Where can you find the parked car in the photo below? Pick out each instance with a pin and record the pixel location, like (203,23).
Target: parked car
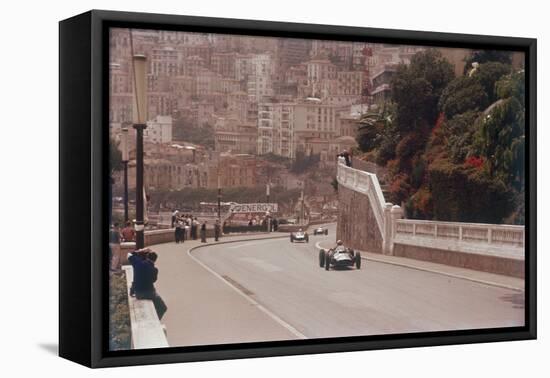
(339,256)
(299,236)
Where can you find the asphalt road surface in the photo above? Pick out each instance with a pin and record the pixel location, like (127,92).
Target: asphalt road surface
(379,298)
(283,293)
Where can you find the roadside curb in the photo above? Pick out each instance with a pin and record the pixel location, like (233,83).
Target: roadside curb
(410,266)
(234,241)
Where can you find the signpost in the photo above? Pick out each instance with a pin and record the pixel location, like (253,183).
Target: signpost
(253,208)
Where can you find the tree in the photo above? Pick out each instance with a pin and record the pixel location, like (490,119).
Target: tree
(483,56)
(417,87)
(115,156)
(500,137)
(488,75)
(463,94)
(185,130)
(371,128)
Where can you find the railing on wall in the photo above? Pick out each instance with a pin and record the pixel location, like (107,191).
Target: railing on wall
(494,236)
(366,183)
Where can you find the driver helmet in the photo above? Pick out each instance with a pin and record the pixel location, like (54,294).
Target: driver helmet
(300,230)
(339,242)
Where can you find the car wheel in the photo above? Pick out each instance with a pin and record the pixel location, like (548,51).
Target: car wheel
(322,258)
(326,232)
(327,261)
(307,240)
(291,239)
(358,260)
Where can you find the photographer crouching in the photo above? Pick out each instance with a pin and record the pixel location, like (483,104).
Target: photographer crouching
(145,275)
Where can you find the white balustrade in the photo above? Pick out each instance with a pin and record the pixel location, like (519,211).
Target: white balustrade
(505,238)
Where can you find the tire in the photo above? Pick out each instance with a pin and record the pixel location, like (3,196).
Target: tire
(326,232)
(314,233)
(307,239)
(291,239)
(322,258)
(358,260)
(327,261)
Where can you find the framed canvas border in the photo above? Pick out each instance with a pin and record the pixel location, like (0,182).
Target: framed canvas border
(83,163)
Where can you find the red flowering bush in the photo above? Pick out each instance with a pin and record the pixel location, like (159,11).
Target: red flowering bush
(474,162)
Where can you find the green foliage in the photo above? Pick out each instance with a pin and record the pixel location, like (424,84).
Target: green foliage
(115,156)
(472,93)
(463,94)
(463,194)
(456,147)
(184,130)
(500,138)
(304,163)
(416,89)
(488,74)
(334,184)
(119,314)
(377,133)
(483,56)
(459,132)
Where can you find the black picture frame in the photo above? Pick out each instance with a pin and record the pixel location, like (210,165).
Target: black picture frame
(83,153)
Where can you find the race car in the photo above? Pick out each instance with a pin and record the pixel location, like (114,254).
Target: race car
(339,256)
(299,236)
(320,231)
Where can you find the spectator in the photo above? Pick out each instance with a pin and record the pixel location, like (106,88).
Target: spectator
(194,226)
(145,275)
(186,230)
(128,233)
(203,232)
(217,230)
(174,218)
(347,158)
(178,231)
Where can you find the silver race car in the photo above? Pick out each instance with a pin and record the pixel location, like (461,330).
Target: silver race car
(299,236)
(320,231)
(339,256)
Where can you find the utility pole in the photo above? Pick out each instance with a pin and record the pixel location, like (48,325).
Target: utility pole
(219,195)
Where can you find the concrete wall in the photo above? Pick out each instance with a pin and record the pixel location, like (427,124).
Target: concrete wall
(357,226)
(485,263)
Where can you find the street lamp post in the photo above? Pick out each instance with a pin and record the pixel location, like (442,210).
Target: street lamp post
(302,208)
(219,195)
(125,158)
(140,119)
(268,216)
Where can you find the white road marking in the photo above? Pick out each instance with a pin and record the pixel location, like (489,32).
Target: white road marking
(274,317)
